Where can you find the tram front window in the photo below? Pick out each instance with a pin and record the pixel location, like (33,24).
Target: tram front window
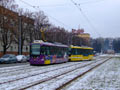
(35,50)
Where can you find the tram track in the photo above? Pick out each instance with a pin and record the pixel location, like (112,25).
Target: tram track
(22,70)
(35,74)
(78,76)
(63,78)
(63,70)
(53,77)
(13,68)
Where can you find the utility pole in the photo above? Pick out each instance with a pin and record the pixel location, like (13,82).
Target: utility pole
(20,36)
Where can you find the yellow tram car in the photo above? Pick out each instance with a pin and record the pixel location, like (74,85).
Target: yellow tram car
(78,53)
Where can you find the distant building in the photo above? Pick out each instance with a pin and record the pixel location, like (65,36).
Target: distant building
(8,19)
(85,36)
(108,46)
(80,33)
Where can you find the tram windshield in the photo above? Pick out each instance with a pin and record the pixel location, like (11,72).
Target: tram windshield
(35,50)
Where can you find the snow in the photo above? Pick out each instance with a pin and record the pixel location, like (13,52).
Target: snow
(32,78)
(110,55)
(30,70)
(105,77)
(53,84)
(12,68)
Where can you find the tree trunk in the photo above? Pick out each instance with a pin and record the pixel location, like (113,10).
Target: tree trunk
(4,50)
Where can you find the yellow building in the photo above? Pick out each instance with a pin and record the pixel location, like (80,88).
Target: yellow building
(84,35)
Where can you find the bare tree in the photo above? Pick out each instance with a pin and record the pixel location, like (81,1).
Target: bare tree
(6,24)
(57,34)
(30,27)
(6,39)
(41,22)
(10,4)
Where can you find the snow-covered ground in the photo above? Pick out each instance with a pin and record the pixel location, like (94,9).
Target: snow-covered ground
(105,77)
(91,80)
(34,74)
(56,82)
(23,69)
(110,55)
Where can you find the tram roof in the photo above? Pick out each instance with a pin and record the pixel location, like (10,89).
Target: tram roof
(50,44)
(80,47)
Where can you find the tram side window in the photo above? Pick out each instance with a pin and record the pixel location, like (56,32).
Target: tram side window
(42,50)
(55,50)
(82,51)
(62,51)
(86,52)
(79,51)
(90,52)
(74,51)
(45,50)
(59,52)
(52,50)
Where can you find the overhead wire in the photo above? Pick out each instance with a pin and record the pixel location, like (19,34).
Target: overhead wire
(54,5)
(77,5)
(36,7)
(60,5)
(92,26)
(90,2)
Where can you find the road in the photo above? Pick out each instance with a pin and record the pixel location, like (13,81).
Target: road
(14,64)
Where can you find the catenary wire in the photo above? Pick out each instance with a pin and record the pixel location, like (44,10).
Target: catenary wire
(37,7)
(92,26)
(91,2)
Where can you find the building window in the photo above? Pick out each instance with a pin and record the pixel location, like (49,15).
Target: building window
(11,48)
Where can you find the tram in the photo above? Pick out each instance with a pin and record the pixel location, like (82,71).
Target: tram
(47,53)
(77,53)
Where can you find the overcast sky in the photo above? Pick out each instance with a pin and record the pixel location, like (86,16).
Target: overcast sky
(104,15)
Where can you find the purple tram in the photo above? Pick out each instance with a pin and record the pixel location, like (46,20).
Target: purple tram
(47,53)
